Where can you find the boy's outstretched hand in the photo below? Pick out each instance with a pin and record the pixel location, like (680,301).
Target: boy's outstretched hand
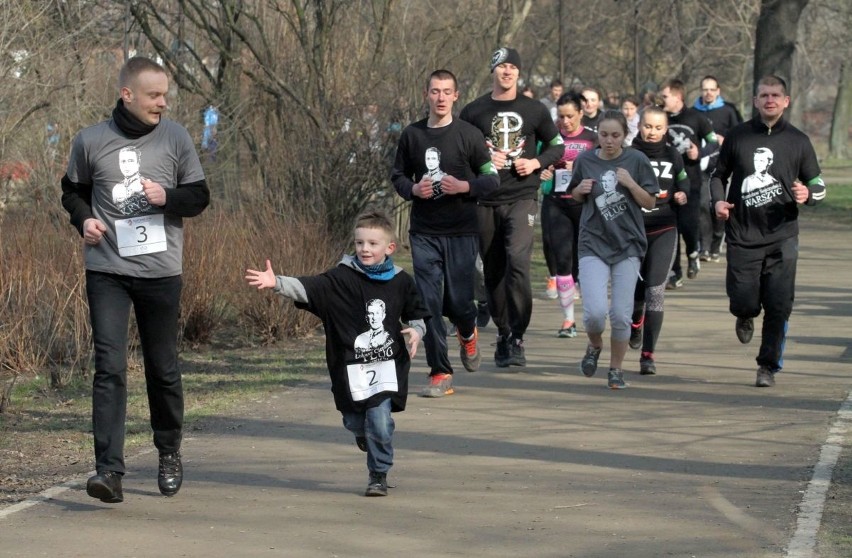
(413,338)
(261,279)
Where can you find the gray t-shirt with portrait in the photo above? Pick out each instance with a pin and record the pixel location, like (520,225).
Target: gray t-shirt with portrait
(611,224)
(141,240)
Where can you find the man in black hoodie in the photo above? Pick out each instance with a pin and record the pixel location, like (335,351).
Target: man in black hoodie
(762,229)
(133,256)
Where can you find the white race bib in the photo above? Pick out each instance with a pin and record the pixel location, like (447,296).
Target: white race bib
(145,234)
(369,378)
(561,180)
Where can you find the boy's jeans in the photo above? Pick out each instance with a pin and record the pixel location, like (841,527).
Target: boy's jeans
(376,425)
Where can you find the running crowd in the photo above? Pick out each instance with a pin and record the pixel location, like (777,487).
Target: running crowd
(618,189)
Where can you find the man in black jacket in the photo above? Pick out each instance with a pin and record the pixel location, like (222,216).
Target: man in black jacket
(762,229)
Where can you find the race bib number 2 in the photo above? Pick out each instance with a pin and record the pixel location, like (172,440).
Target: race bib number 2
(141,235)
(369,378)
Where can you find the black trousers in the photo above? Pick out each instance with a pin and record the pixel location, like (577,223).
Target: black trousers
(764,278)
(156,303)
(445,274)
(688,217)
(560,231)
(506,241)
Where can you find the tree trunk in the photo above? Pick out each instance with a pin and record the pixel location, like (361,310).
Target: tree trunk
(775,39)
(837,148)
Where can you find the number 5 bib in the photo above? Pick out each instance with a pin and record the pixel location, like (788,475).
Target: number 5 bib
(141,235)
(368,379)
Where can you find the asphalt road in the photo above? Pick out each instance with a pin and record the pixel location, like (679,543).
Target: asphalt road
(538,461)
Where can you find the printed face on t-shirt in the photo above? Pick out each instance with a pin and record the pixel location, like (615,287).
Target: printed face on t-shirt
(128,162)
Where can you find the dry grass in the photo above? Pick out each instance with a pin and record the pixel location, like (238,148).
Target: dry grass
(44,313)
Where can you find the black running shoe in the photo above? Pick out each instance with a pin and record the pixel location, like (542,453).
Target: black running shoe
(378,485)
(765,377)
(635,336)
(589,364)
(744,329)
(501,354)
(517,357)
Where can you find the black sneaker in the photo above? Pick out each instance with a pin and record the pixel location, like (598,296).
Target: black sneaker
(744,329)
(674,282)
(715,257)
(692,267)
(483,316)
(647,367)
(704,256)
(361,442)
(589,364)
(615,379)
(106,487)
(501,354)
(516,353)
(378,485)
(635,335)
(765,377)
(170,476)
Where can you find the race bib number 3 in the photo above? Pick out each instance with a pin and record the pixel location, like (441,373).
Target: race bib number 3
(141,235)
(368,379)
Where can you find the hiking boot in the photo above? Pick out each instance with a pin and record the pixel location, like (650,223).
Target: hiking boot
(636,335)
(106,487)
(674,282)
(361,442)
(501,354)
(615,379)
(765,377)
(440,384)
(551,291)
(378,485)
(469,351)
(744,329)
(170,475)
(692,267)
(646,364)
(568,330)
(589,364)
(516,353)
(483,316)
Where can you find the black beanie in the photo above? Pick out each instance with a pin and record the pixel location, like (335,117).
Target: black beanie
(503,55)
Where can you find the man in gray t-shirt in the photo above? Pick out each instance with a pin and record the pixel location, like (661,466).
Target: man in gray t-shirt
(130,181)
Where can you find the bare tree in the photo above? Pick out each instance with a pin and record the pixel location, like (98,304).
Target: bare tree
(775,38)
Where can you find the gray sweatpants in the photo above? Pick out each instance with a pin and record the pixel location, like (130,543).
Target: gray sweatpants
(595,277)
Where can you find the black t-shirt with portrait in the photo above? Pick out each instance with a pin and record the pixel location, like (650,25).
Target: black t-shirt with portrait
(457,149)
(365,349)
(762,165)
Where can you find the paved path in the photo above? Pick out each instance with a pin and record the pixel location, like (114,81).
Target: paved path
(535,462)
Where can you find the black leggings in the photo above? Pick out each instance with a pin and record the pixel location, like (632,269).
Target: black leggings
(651,286)
(560,228)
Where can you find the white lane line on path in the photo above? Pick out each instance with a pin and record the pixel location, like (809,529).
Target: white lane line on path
(45,495)
(813,502)
(55,491)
